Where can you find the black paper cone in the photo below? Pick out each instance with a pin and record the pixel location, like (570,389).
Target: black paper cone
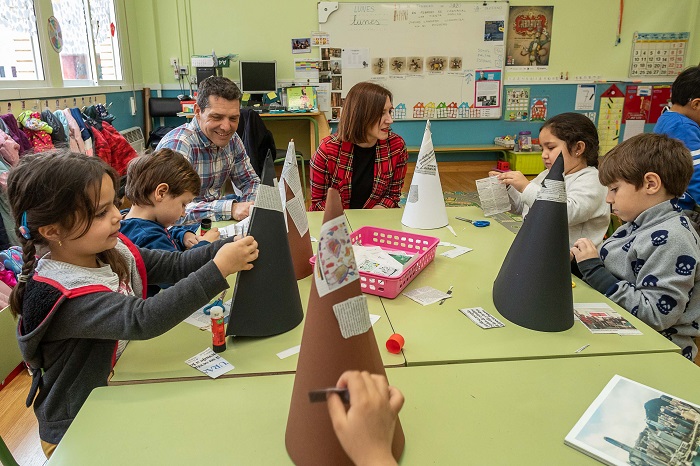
(533,287)
(266,298)
(325,354)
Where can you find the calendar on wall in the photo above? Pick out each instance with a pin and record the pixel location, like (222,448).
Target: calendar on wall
(658,53)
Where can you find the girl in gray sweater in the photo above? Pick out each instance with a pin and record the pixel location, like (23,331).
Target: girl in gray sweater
(87,291)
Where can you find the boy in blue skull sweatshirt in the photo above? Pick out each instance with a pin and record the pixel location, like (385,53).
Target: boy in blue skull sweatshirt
(649,265)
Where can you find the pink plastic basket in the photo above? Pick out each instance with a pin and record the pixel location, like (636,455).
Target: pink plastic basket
(392,240)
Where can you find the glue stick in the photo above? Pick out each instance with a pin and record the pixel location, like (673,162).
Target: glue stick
(218,334)
(204,226)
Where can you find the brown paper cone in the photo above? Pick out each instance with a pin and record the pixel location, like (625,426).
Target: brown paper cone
(300,246)
(324,356)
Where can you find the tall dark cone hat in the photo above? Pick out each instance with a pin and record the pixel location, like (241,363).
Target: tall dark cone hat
(337,337)
(295,210)
(255,311)
(533,288)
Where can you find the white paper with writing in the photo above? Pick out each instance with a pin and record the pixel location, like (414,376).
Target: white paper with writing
(426,295)
(210,363)
(353,316)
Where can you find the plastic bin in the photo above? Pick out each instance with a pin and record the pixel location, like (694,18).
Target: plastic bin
(392,240)
(529,163)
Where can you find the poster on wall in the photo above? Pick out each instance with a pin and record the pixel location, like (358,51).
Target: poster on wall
(517,104)
(529,38)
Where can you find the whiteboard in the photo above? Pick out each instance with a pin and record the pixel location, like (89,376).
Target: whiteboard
(440,60)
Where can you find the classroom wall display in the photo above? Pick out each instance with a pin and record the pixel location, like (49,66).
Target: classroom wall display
(529,38)
(439,60)
(658,53)
(610,118)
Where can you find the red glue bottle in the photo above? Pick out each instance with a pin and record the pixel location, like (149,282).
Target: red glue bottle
(218,333)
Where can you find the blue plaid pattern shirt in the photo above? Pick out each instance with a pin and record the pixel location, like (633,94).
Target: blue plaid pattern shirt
(214,164)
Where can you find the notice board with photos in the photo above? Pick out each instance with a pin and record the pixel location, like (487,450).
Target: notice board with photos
(440,60)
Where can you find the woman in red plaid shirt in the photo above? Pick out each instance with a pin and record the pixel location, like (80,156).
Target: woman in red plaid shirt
(364,160)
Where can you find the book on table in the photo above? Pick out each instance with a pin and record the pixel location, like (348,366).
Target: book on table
(633,424)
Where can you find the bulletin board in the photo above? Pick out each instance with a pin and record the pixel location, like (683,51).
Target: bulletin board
(440,60)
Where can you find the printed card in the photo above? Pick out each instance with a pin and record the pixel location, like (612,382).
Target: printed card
(210,363)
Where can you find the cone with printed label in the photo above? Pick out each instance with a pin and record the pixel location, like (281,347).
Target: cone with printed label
(533,287)
(295,210)
(337,337)
(425,204)
(255,310)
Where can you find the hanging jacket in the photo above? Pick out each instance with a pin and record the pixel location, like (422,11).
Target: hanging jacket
(257,139)
(74,138)
(9,149)
(113,148)
(62,119)
(57,135)
(84,132)
(38,132)
(17,134)
(3,127)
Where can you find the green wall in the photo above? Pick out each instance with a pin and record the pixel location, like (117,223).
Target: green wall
(583,32)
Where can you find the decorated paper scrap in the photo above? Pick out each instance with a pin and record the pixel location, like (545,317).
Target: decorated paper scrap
(493,196)
(456,251)
(426,295)
(296,211)
(552,190)
(482,318)
(601,318)
(353,316)
(236,229)
(335,262)
(268,197)
(210,363)
(289,352)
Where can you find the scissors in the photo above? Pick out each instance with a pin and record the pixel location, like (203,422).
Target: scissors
(219,302)
(476,223)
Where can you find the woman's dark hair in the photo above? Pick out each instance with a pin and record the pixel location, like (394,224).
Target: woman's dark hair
(363,108)
(57,187)
(572,128)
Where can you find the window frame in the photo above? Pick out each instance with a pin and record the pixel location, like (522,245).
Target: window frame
(51,66)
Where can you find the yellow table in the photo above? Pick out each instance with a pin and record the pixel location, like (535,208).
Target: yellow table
(500,413)
(438,334)
(163,358)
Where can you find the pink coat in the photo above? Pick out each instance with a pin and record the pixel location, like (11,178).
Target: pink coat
(74,137)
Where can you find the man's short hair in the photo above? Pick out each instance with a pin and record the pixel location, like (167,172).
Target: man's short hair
(217,86)
(686,87)
(147,171)
(644,153)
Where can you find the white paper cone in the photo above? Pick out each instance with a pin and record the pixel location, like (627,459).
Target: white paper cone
(425,206)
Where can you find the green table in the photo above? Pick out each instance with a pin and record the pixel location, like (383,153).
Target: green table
(437,334)
(508,412)
(163,358)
